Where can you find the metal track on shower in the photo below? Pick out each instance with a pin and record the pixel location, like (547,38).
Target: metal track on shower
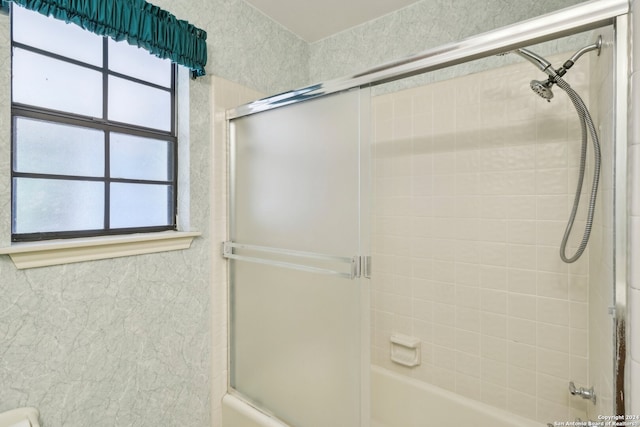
(583,17)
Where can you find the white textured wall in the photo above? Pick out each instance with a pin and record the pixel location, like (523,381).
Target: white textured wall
(474,180)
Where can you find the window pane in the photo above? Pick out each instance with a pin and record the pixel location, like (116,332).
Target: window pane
(140,158)
(140,205)
(49,83)
(138,104)
(45,205)
(54,35)
(139,63)
(44,147)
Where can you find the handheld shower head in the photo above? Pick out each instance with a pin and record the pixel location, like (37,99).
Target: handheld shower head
(543,89)
(546,67)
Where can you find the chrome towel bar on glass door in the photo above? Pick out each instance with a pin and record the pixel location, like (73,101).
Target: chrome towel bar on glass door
(359,265)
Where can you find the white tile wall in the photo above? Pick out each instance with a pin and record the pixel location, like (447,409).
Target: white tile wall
(471,197)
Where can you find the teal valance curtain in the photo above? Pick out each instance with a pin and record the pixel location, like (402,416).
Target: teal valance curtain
(136,21)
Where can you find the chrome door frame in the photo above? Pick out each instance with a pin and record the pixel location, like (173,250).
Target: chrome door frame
(571,20)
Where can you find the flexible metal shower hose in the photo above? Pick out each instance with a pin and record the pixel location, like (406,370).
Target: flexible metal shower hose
(585,122)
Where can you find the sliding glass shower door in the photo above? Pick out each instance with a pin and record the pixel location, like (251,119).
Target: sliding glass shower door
(298,248)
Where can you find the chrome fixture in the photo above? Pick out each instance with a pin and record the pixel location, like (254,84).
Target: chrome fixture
(589,127)
(587,15)
(354,267)
(543,89)
(587,394)
(536,60)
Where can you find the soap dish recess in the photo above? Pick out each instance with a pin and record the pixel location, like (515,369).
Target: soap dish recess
(405,350)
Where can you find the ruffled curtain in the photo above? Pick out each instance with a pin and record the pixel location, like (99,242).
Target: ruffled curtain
(136,21)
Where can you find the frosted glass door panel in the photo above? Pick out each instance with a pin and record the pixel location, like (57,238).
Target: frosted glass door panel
(296,344)
(296,333)
(297,177)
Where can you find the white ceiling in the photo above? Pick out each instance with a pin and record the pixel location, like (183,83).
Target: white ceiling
(313,20)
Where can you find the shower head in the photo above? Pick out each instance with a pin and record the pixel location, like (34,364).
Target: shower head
(543,89)
(546,66)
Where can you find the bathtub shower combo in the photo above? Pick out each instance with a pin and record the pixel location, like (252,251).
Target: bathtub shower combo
(403,246)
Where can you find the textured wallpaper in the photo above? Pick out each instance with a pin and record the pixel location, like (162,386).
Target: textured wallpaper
(244,46)
(122,342)
(414,29)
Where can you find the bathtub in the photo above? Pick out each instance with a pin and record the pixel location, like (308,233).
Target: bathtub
(397,401)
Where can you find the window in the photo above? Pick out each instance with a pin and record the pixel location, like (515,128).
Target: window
(94,133)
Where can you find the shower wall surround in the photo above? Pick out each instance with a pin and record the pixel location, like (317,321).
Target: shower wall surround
(129,341)
(474,180)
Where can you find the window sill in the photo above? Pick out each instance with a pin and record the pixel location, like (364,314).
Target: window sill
(66,251)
